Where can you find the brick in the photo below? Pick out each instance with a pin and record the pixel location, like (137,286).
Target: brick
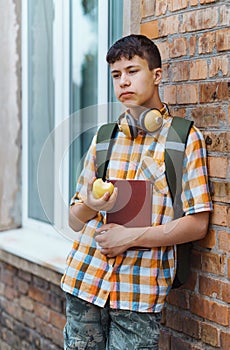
(7,321)
(150,29)
(178,47)
(219,215)
(191,327)
(210,310)
(29,319)
(213,116)
(210,335)
(180,344)
(187,94)
(193,2)
(147,8)
(43,328)
(163,47)
(228,268)
(217,167)
(191,282)
(10,293)
(210,287)
(26,303)
(192,45)
(56,302)
(178,111)
(225,340)
(200,19)
(178,298)
(177,5)
(213,263)
(180,71)
(212,92)
(38,295)
(174,320)
(170,94)
(221,191)
(22,286)
(207,43)
(224,241)
(168,25)
(198,70)
(26,276)
(164,341)
(165,72)
(40,283)
(218,141)
(7,277)
(57,320)
(57,336)
(219,66)
(161,8)
(225,292)
(224,15)
(42,311)
(209,241)
(223,40)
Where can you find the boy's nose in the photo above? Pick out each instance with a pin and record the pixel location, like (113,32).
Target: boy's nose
(124,81)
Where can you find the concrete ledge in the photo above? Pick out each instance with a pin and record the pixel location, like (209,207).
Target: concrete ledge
(35,252)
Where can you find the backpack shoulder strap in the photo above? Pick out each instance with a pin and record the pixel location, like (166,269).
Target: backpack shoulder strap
(104,144)
(174,155)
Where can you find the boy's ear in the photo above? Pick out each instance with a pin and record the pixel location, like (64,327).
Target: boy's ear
(157,76)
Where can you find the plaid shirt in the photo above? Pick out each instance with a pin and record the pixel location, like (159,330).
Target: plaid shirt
(136,280)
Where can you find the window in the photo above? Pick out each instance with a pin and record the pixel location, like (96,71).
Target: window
(65,83)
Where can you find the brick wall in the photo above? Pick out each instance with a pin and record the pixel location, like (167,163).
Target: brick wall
(194,39)
(32,310)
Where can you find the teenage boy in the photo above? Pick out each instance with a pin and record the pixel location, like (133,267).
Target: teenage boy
(115,294)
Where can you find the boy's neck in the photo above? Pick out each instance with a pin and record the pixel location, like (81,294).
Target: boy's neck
(137,110)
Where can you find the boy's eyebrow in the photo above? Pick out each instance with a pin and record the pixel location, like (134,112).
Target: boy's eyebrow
(128,67)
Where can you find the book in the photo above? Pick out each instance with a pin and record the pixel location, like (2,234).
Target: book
(133,207)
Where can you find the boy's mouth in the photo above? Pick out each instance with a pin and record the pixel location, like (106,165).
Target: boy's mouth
(126,94)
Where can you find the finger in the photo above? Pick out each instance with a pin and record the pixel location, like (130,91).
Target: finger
(98,235)
(115,193)
(90,185)
(104,228)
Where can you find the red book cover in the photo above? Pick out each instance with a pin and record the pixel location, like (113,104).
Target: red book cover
(133,207)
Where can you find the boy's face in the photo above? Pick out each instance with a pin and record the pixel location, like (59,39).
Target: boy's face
(134,83)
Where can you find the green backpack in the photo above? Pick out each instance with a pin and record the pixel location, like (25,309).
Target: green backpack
(174,155)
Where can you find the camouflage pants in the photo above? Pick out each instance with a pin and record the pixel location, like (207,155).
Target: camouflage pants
(89,327)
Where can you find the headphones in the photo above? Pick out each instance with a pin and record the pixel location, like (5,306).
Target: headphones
(149,121)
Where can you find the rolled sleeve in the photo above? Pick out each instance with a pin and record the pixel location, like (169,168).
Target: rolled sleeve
(196,194)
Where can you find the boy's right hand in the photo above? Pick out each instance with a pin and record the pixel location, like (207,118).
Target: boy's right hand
(105,203)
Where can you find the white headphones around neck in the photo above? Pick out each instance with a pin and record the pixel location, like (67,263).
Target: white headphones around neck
(149,121)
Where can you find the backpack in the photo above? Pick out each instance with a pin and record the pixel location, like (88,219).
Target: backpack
(174,155)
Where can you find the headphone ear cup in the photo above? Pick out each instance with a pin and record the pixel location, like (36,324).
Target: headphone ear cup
(128,126)
(151,120)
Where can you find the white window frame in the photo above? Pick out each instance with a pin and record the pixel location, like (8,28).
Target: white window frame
(61,70)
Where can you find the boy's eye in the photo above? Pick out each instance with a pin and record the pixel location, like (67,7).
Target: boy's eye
(133,71)
(115,76)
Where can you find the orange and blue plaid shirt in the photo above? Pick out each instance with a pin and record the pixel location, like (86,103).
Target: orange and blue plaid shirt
(137,280)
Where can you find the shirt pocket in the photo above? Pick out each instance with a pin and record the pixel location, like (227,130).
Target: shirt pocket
(154,171)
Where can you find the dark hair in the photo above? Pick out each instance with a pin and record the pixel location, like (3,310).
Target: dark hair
(135,45)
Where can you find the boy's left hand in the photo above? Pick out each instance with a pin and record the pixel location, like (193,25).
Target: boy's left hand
(115,239)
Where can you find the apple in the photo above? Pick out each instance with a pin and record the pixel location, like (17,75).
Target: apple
(100,187)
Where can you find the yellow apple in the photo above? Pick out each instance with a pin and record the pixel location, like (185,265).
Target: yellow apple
(100,187)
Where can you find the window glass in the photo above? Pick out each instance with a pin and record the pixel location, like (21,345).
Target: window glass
(83,81)
(84,76)
(40,102)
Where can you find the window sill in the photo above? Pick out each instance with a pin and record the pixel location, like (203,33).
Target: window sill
(35,252)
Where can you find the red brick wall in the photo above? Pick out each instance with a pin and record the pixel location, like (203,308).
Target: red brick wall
(194,39)
(31,311)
